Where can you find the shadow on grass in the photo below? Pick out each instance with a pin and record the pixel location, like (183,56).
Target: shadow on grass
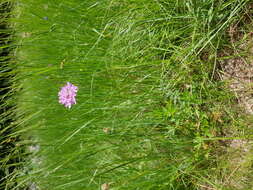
(9,159)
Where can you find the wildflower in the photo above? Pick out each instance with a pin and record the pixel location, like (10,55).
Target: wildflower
(67,95)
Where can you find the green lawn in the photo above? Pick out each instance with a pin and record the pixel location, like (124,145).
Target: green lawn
(151,111)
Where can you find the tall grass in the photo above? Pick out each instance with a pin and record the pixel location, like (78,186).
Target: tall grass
(148,103)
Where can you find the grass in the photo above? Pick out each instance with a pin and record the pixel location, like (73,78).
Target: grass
(151,112)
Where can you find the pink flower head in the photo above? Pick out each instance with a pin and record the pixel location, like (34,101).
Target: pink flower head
(67,95)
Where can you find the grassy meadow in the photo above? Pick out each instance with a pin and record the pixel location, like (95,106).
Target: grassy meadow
(151,112)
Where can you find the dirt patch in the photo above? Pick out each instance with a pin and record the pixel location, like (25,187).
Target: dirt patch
(237,71)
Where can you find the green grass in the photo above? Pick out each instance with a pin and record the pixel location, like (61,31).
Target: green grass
(150,111)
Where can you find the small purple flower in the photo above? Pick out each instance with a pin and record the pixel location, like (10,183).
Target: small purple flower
(67,95)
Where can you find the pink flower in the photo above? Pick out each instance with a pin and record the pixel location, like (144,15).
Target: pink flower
(67,95)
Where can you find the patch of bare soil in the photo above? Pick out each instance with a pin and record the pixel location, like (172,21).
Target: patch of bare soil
(237,72)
